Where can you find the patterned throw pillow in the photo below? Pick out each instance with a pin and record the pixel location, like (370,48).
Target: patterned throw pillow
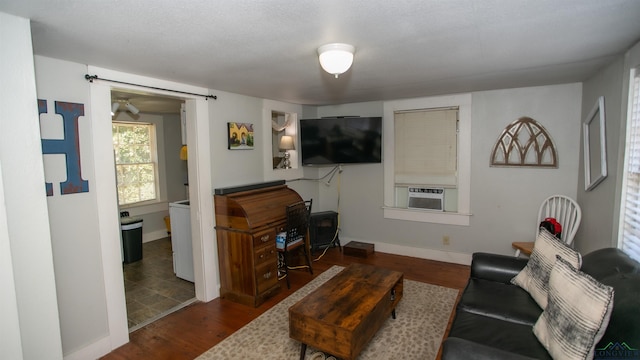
(577,314)
(534,278)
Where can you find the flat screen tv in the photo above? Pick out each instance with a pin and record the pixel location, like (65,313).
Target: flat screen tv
(341,140)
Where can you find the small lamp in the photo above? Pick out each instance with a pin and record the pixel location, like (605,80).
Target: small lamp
(336,58)
(286,143)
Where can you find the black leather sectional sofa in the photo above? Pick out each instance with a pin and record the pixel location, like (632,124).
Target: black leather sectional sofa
(494,318)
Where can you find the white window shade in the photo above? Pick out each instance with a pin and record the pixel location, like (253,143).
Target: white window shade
(630,218)
(634,140)
(426,147)
(631,226)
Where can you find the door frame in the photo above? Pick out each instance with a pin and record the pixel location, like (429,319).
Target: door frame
(199,172)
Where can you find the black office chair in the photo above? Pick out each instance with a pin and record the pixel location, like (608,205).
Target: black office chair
(297,235)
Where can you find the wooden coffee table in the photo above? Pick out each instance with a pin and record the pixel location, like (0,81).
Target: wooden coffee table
(344,313)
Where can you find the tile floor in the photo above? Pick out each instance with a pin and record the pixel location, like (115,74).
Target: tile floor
(152,289)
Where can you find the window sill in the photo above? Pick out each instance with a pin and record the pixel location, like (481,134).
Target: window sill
(437,217)
(145,208)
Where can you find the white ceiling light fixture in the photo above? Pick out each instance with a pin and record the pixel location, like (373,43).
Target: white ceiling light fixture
(114,107)
(134,110)
(336,58)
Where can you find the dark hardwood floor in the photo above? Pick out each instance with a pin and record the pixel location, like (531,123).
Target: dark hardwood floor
(191,331)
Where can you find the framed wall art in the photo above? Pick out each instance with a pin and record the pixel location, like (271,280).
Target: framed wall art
(595,146)
(240,136)
(525,142)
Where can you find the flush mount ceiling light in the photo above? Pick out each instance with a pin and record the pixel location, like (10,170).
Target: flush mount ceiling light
(336,58)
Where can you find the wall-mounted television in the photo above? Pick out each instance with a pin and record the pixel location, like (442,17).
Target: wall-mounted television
(341,140)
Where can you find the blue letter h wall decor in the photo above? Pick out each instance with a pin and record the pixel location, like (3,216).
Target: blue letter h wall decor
(68,146)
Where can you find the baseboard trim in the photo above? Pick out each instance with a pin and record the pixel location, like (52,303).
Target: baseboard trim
(93,351)
(421,253)
(154,235)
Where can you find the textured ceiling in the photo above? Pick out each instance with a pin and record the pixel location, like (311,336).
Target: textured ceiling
(404,48)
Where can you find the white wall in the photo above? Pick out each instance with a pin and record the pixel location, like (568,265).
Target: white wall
(176,169)
(235,167)
(504,201)
(240,167)
(598,205)
(10,337)
(600,222)
(75,236)
(30,327)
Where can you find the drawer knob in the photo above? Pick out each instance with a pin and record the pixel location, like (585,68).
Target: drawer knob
(264,238)
(267,275)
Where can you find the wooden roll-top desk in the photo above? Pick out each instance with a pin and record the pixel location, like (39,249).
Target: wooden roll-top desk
(247,221)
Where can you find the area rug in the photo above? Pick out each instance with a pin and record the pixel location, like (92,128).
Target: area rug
(416,333)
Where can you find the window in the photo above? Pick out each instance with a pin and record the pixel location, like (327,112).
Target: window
(427,143)
(629,240)
(136,162)
(426,154)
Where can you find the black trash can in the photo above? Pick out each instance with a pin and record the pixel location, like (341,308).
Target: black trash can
(131,239)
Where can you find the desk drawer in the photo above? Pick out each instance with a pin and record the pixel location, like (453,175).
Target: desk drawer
(266,275)
(265,254)
(264,237)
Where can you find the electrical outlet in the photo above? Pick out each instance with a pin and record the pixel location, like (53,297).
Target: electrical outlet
(446,240)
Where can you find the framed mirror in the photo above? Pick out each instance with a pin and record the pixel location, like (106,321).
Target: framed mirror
(595,146)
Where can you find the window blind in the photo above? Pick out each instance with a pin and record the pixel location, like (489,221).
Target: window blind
(426,147)
(630,239)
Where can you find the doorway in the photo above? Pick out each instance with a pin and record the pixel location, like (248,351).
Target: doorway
(149,139)
(200,185)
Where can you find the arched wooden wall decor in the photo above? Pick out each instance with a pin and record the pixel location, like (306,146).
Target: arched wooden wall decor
(525,142)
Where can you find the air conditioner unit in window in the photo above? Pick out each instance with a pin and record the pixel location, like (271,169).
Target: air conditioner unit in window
(426,198)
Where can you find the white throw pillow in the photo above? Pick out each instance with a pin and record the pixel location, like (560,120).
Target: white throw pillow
(534,278)
(577,314)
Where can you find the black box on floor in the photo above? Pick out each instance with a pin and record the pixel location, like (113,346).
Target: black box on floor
(358,249)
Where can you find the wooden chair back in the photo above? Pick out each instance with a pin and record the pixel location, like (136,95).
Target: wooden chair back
(298,217)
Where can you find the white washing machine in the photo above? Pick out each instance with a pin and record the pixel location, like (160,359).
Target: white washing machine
(180,217)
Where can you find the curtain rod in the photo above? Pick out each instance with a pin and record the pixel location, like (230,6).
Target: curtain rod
(90,78)
(427,110)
